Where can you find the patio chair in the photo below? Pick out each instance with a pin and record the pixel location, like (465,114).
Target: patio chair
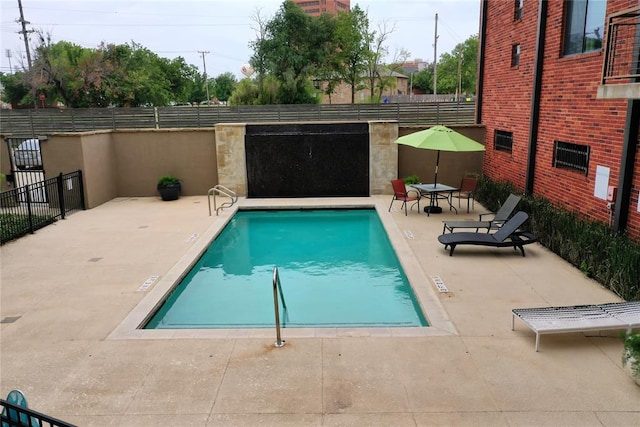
(578,318)
(467,191)
(507,236)
(401,193)
(499,217)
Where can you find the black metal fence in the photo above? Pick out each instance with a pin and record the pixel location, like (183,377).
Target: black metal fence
(42,121)
(28,208)
(19,416)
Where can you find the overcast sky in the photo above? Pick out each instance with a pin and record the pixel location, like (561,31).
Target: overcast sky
(224,28)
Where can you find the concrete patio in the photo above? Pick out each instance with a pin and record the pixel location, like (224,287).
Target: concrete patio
(71,295)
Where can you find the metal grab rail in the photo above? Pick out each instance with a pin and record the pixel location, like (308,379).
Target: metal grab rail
(277,289)
(224,191)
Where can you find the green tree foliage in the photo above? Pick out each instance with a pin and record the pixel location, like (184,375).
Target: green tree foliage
(461,64)
(448,67)
(69,71)
(424,79)
(352,50)
(293,48)
(223,86)
(246,93)
(16,91)
(109,75)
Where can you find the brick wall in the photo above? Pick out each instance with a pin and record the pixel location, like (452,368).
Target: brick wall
(569,110)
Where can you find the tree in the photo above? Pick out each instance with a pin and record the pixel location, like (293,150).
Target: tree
(377,52)
(16,92)
(349,63)
(223,86)
(459,67)
(423,80)
(246,93)
(293,47)
(69,71)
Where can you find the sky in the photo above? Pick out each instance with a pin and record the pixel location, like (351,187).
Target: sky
(223,28)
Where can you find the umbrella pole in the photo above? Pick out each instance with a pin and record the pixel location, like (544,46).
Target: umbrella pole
(435,179)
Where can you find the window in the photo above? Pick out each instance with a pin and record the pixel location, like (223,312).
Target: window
(571,156)
(583,25)
(517,15)
(515,55)
(503,141)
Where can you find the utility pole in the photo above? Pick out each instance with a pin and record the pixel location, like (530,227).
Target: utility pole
(204,65)
(459,88)
(8,54)
(435,60)
(24,33)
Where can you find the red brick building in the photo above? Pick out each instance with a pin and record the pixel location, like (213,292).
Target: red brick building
(557,125)
(318,7)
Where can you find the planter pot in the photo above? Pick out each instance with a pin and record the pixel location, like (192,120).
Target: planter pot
(170,192)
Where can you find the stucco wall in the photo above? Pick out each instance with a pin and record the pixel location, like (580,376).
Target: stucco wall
(143,156)
(129,163)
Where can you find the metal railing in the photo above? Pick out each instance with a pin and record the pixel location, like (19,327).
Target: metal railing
(19,416)
(25,209)
(224,191)
(42,121)
(277,289)
(621,60)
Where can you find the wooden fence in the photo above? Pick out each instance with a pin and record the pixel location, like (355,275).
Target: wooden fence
(42,121)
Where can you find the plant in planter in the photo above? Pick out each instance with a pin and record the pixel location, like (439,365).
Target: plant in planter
(411,179)
(631,355)
(169,187)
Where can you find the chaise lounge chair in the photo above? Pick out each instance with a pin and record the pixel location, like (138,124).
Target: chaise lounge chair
(579,318)
(499,217)
(507,236)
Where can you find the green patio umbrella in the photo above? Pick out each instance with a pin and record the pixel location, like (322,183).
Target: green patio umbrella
(440,138)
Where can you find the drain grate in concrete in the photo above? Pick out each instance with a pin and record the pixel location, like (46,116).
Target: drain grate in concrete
(95,259)
(439,284)
(409,234)
(10,319)
(147,284)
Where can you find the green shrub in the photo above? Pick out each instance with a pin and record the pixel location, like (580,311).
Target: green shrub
(412,179)
(632,351)
(611,259)
(167,181)
(15,225)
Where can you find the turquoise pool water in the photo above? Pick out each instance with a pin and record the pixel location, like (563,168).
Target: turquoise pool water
(337,269)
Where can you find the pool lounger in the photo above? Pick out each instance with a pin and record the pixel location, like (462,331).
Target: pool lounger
(579,318)
(507,236)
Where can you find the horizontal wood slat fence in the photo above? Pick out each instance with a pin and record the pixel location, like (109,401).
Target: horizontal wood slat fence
(41,121)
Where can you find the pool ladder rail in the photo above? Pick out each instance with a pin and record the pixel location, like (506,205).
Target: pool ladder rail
(221,190)
(277,289)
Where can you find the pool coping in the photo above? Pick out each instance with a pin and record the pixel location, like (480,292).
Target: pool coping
(436,315)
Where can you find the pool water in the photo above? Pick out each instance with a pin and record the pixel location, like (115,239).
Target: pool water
(337,269)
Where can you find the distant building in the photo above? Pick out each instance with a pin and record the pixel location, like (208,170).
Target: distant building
(342,94)
(318,7)
(414,66)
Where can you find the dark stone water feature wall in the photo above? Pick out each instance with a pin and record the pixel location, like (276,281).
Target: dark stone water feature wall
(307,160)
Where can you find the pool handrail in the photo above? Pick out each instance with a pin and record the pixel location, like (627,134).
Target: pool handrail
(220,189)
(277,289)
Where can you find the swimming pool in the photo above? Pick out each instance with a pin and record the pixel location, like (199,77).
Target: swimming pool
(337,269)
